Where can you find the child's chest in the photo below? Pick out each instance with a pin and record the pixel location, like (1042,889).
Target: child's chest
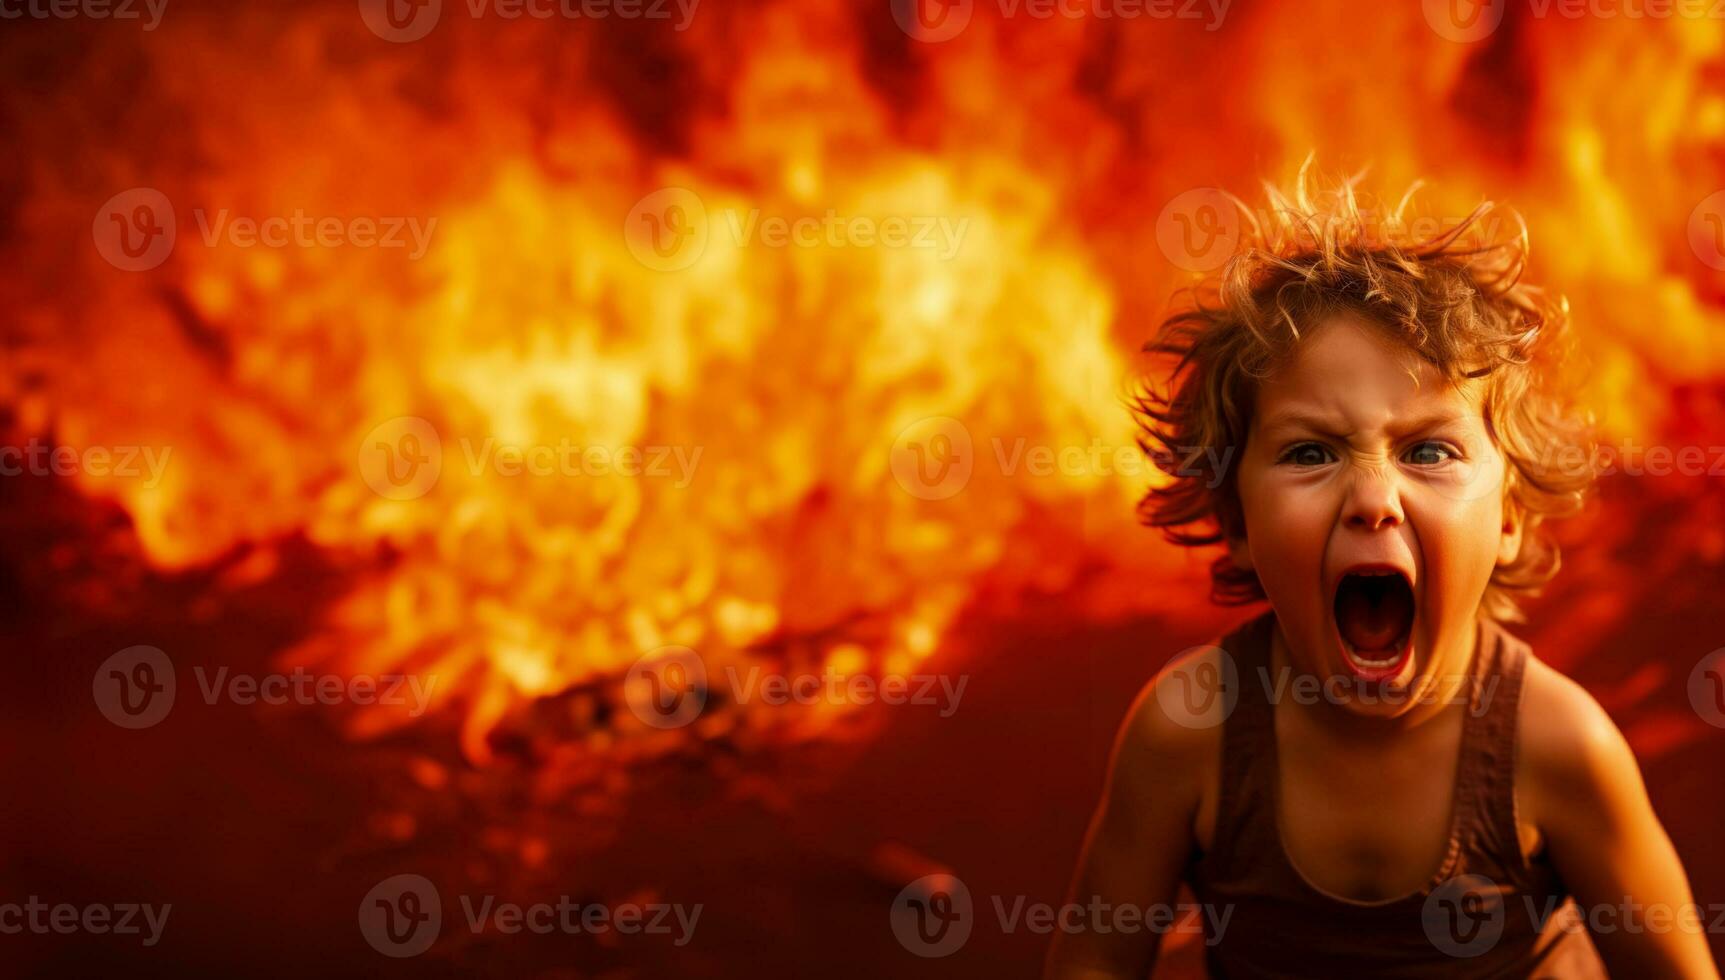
(1367,821)
(1371,822)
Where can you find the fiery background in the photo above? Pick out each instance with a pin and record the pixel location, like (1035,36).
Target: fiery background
(538,153)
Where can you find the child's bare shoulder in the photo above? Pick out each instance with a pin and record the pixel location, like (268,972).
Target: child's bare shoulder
(1180,711)
(1171,743)
(1570,752)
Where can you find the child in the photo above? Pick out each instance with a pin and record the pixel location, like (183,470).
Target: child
(1373,778)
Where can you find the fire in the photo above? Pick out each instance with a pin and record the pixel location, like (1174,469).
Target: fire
(775,384)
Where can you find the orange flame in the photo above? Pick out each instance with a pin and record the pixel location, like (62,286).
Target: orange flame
(791,375)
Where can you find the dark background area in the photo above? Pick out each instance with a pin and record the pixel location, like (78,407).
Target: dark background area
(253,824)
(265,827)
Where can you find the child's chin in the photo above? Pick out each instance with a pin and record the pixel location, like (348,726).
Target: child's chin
(1393,704)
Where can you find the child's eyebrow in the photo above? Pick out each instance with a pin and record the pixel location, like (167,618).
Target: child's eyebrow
(1431,420)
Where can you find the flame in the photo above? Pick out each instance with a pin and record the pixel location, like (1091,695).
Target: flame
(788,374)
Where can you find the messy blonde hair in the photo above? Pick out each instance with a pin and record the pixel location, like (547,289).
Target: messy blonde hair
(1453,296)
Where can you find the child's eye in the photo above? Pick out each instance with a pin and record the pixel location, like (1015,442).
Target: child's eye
(1306,454)
(1431,454)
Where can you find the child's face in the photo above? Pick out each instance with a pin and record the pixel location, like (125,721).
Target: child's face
(1373,503)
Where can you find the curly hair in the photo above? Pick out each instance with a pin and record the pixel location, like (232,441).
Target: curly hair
(1454,296)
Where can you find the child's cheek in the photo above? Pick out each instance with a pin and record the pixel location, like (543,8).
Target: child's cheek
(1458,537)
(1288,517)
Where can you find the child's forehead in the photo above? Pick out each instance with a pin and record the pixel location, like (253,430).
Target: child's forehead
(1354,371)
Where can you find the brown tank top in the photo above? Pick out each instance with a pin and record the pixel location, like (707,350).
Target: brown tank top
(1486,912)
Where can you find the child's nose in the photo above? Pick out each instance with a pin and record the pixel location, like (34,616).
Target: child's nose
(1372,503)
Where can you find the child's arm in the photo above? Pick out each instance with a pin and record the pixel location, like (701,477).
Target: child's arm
(1142,832)
(1588,800)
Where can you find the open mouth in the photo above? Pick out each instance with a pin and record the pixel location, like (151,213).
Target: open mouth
(1375,617)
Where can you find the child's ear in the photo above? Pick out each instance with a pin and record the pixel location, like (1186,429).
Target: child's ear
(1240,554)
(1509,543)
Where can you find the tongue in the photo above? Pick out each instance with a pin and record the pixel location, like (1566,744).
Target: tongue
(1373,626)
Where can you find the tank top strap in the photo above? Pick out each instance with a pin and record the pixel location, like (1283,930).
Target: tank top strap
(1245,817)
(1491,844)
